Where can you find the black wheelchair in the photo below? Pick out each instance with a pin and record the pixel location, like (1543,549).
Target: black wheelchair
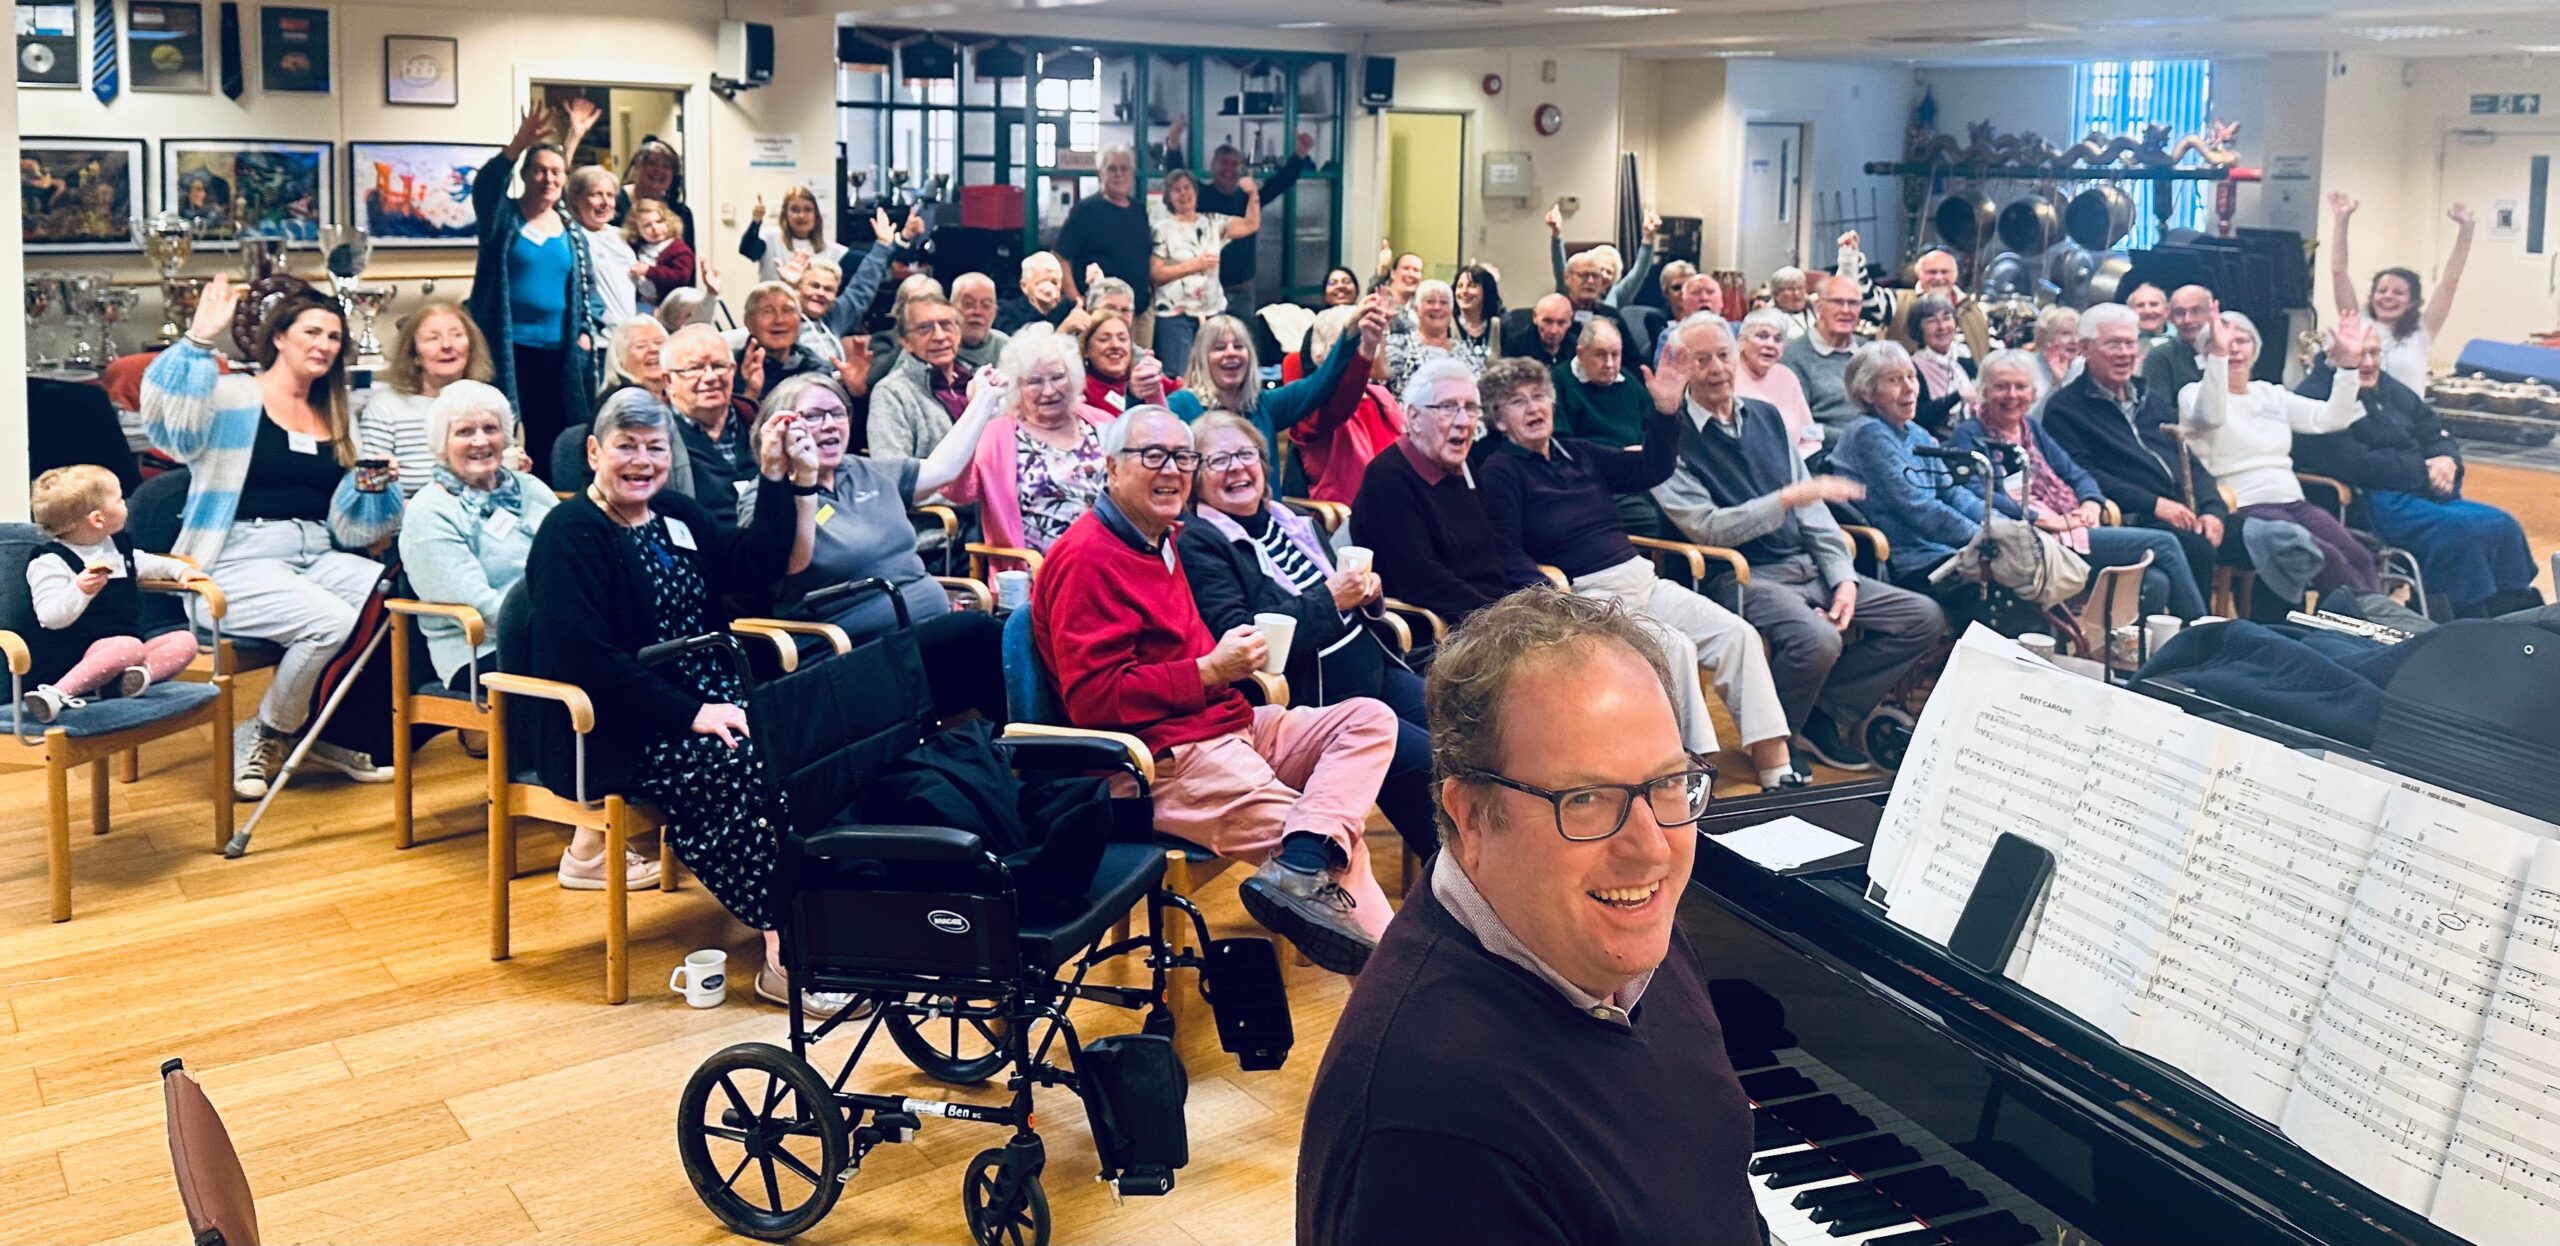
(967,958)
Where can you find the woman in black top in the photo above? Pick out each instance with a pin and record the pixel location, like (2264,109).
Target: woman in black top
(627,564)
(1246,555)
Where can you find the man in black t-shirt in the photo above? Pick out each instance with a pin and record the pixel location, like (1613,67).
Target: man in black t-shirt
(1111,229)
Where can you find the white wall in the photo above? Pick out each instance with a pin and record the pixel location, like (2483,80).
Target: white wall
(1578,161)
(1856,113)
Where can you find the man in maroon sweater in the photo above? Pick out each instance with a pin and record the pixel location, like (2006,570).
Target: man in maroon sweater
(1532,1056)
(1288,789)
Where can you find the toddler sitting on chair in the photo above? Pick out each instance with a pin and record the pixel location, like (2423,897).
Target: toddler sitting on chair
(87,601)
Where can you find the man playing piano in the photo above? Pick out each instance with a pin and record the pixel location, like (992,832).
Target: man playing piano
(1530,1055)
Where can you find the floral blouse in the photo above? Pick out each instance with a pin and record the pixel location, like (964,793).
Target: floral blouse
(1057,485)
(1407,351)
(1177,240)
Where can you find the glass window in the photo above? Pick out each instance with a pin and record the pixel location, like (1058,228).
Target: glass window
(2121,97)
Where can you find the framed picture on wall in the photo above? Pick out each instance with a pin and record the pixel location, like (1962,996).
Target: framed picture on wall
(164,46)
(48,44)
(81,194)
(415,194)
(421,70)
(233,189)
(293,49)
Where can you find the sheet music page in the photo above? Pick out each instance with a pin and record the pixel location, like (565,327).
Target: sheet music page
(2254,929)
(2502,1173)
(1909,812)
(2399,1025)
(2016,763)
(2116,879)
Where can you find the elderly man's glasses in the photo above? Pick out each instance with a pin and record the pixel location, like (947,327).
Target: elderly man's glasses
(1233,458)
(1596,811)
(1154,458)
(1444,410)
(702,371)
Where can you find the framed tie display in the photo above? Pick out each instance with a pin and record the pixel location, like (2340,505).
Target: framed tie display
(81,194)
(49,44)
(165,46)
(293,49)
(232,189)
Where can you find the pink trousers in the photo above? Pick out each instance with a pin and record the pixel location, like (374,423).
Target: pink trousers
(1313,769)
(164,656)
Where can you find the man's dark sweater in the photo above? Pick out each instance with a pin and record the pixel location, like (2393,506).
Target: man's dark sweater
(1429,535)
(2387,449)
(1562,510)
(1520,339)
(1462,1099)
(2133,455)
(1099,231)
(1612,415)
(1013,313)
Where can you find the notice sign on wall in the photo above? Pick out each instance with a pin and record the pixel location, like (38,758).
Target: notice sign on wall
(773,151)
(2484,105)
(2503,216)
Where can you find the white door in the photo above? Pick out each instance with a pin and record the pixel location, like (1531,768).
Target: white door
(2511,286)
(1772,198)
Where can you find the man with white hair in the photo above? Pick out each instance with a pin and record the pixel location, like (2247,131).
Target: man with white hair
(1820,358)
(1938,276)
(1792,296)
(1111,229)
(1044,295)
(715,428)
(974,294)
(1741,485)
(1418,510)
(1285,789)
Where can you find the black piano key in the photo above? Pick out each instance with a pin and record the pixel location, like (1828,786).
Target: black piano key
(1946,1202)
(1916,1237)
(1928,1191)
(1850,1225)
(1746,1061)
(1803,1176)
(1770,1133)
(1792,1161)
(1997,1229)
(1870,1154)
(1778,1083)
(1848,1201)
(1835,1195)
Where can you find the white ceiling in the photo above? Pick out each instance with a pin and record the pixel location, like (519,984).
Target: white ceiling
(1928,31)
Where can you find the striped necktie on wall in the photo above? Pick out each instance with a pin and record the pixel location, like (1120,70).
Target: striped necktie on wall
(103,76)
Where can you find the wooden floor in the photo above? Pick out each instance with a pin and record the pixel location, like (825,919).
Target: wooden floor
(385,1081)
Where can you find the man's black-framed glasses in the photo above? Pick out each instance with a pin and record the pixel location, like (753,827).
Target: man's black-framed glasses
(1154,458)
(1597,811)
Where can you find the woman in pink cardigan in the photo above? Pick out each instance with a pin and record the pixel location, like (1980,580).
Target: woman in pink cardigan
(1040,464)
(1337,442)
(1763,338)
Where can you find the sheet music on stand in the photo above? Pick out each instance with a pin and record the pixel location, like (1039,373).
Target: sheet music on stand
(2325,944)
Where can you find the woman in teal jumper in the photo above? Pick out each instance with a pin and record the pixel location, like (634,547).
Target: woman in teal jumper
(533,290)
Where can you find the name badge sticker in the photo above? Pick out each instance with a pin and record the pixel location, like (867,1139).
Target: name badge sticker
(826,512)
(302,443)
(498,524)
(679,533)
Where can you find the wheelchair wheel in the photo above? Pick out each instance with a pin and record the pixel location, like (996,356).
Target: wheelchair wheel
(957,1051)
(1888,734)
(763,1141)
(1024,1221)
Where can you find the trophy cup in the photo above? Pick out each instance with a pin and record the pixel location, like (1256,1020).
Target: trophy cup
(42,291)
(345,251)
(364,304)
(169,238)
(263,257)
(115,306)
(83,297)
(178,296)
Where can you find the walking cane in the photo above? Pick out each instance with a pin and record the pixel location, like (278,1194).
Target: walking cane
(239,845)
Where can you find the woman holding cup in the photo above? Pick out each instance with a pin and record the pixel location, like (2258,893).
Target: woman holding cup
(278,503)
(1250,560)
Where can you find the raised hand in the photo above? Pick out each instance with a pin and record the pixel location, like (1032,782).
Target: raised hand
(751,371)
(2346,346)
(1669,384)
(711,279)
(1246,184)
(1849,242)
(756,213)
(792,266)
(529,127)
(1555,221)
(884,232)
(214,309)
(1306,144)
(1376,314)
(1092,274)
(1652,225)
(855,367)
(2460,214)
(2341,205)
(1146,378)
(583,116)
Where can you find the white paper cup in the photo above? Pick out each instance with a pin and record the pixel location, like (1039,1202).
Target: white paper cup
(2158,628)
(2037,643)
(703,978)
(1277,631)
(1013,589)
(1353,557)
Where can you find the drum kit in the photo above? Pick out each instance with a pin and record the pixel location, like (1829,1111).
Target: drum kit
(80,339)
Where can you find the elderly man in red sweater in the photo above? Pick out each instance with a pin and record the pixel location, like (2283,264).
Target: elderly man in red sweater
(1287,788)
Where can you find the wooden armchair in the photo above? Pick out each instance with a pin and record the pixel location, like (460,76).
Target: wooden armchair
(1333,517)
(984,560)
(88,735)
(218,656)
(415,702)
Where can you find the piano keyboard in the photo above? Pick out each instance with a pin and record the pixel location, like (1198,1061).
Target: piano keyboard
(1834,1164)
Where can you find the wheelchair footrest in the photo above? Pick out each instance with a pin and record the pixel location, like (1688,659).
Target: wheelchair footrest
(1241,980)
(1146,1181)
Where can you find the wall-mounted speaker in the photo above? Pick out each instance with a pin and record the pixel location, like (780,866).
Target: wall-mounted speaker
(1377,81)
(745,52)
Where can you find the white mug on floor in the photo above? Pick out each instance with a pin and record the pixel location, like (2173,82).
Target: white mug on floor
(1013,589)
(1277,631)
(703,978)
(2158,628)
(1353,558)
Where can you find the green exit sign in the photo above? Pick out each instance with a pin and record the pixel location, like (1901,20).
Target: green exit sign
(2506,105)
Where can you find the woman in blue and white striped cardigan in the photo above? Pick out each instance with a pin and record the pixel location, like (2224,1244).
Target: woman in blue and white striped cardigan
(275,501)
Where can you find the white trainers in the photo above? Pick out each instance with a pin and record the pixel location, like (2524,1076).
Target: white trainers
(638,872)
(46,704)
(256,755)
(346,761)
(135,681)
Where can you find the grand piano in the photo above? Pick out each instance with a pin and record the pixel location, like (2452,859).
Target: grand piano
(1904,1098)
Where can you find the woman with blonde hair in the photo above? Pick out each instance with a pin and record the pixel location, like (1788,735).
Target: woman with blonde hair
(803,228)
(432,347)
(1225,375)
(1039,465)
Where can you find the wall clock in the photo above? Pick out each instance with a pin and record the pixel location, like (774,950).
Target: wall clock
(1548,119)
(1492,84)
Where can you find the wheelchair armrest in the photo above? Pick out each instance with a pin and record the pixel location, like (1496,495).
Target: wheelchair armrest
(1698,555)
(1439,626)
(1403,631)
(2346,496)
(1264,688)
(216,605)
(1881,548)
(981,598)
(2110,515)
(1125,751)
(20,659)
(894,843)
(786,653)
(1331,514)
(1555,576)
(475,629)
(582,711)
(783,629)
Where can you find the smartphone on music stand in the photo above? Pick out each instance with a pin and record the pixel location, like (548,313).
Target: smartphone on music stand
(1995,917)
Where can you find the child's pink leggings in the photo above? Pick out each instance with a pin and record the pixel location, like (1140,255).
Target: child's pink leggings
(164,655)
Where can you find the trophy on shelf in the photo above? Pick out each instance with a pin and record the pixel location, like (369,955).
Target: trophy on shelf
(115,306)
(83,298)
(367,303)
(44,290)
(169,238)
(178,296)
(346,251)
(264,257)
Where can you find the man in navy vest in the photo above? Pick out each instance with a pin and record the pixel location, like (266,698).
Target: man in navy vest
(1838,641)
